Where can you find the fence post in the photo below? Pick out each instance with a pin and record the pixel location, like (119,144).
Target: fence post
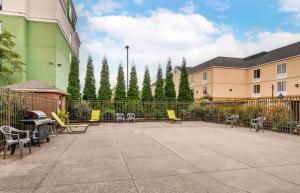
(9,107)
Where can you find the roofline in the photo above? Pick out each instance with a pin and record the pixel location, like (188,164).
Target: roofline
(40,90)
(269,63)
(227,67)
(256,66)
(251,67)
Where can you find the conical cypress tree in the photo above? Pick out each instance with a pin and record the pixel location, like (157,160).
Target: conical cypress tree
(185,93)
(146,91)
(133,90)
(170,93)
(89,90)
(120,94)
(159,89)
(74,82)
(104,92)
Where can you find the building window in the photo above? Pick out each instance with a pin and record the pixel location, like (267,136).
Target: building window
(281,71)
(1,1)
(204,77)
(281,86)
(256,74)
(192,79)
(204,90)
(256,89)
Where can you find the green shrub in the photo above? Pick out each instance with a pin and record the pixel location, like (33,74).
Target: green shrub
(108,114)
(136,108)
(158,113)
(79,112)
(185,114)
(64,116)
(285,125)
(197,111)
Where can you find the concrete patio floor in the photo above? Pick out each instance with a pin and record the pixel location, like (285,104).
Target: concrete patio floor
(193,157)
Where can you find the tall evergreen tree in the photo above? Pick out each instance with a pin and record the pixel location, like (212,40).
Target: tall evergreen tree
(133,90)
(146,91)
(120,94)
(74,82)
(185,93)
(104,92)
(89,90)
(159,89)
(170,93)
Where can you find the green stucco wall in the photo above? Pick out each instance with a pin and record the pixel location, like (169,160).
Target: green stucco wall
(40,44)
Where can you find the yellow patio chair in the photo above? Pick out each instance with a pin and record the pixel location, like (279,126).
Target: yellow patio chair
(172,117)
(69,127)
(95,117)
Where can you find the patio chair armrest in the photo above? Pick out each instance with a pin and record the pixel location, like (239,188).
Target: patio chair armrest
(254,120)
(24,131)
(18,136)
(230,118)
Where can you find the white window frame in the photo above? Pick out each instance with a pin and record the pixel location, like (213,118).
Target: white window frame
(256,79)
(70,57)
(256,94)
(281,88)
(192,79)
(204,91)
(70,38)
(280,72)
(204,77)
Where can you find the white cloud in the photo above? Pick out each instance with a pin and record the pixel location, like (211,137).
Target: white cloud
(188,8)
(266,41)
(100,8)
(162,34)
(218,5)
(106,6)
(80,10)
(291,6)
(138,1)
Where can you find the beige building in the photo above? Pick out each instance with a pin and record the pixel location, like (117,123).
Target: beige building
(266,74)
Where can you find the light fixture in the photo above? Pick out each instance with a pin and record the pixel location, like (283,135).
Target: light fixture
(230,90)
(297,85)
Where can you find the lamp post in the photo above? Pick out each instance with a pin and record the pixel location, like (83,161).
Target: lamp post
(127,48)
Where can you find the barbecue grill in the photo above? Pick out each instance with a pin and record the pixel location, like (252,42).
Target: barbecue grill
(41,123)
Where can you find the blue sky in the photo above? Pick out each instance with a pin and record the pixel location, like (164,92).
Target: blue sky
(196,29)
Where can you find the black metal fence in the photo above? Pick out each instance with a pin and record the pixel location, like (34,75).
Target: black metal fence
(80,111)
(282,115)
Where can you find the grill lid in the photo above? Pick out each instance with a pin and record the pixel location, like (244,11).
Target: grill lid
(35,115)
